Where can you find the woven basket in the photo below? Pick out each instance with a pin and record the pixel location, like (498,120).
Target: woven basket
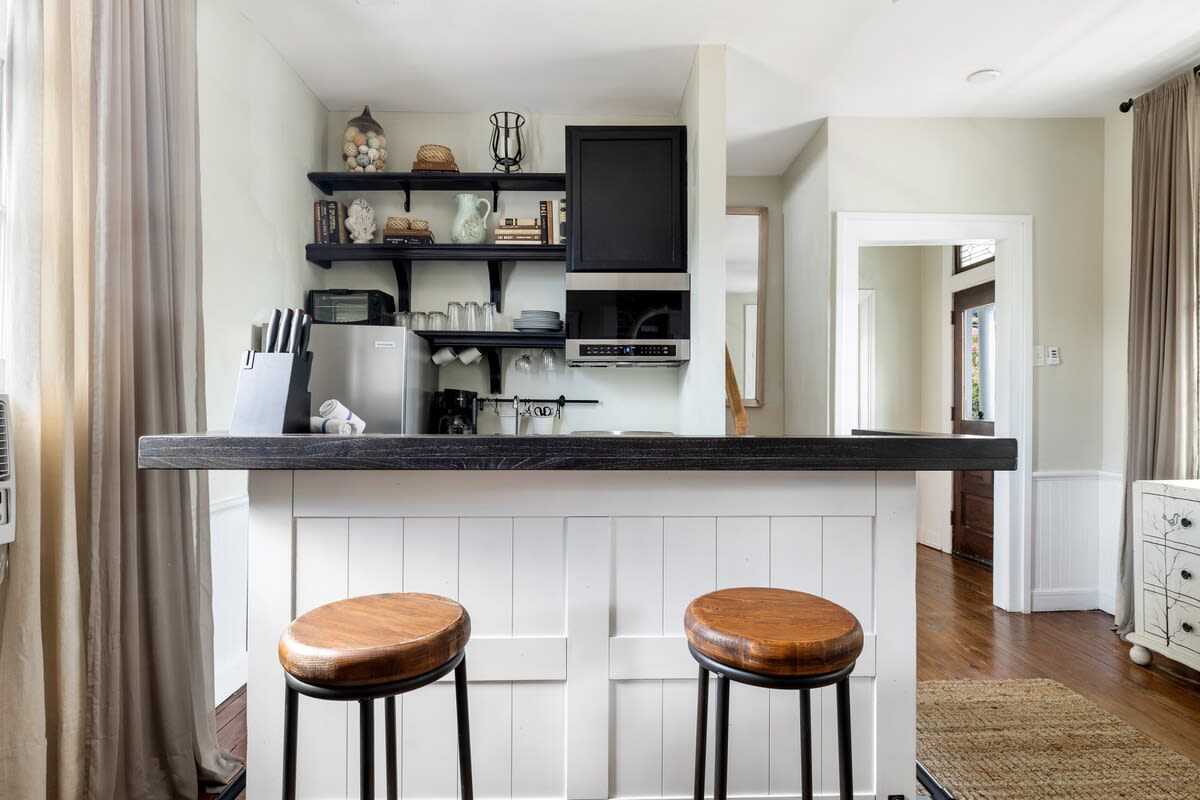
(435,152)
(420,224)
(396,224)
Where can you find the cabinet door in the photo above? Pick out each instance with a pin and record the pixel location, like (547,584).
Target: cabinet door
(626,198)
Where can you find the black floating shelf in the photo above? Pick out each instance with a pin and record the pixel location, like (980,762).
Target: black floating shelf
(491,343)
(482,339)
(324,254)
(330,182)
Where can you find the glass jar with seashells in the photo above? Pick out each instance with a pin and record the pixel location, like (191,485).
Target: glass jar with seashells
(364,147)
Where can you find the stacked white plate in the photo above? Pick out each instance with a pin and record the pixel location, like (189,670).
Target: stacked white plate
(536,321)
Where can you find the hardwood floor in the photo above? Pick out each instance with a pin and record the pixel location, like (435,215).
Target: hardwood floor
(961,635)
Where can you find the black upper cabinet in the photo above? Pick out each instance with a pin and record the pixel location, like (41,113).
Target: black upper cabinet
(627,198)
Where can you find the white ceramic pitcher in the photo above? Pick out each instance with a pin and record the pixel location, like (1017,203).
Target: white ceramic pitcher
(470,223)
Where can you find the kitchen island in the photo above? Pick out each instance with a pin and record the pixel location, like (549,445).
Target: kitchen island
(575,557)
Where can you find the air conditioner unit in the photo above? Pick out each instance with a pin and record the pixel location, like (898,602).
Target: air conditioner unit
(8,528)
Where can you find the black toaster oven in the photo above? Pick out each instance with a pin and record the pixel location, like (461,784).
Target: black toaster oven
(351,306)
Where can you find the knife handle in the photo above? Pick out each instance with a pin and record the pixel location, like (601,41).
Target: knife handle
(268,344)
(305,330)
(285,331)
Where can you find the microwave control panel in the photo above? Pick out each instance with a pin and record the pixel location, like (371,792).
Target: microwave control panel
(627,350)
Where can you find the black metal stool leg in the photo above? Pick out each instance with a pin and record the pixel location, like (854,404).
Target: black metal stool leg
(291,708)
(389,738)
(721,754)
(464,730)
(701,733)
(806,783)
(845,765)
(366,749)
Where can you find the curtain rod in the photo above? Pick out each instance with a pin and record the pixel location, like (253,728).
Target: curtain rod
(1128,104)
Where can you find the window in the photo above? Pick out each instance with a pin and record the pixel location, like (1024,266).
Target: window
(973,254)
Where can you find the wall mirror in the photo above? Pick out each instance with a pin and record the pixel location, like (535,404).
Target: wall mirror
(745,297)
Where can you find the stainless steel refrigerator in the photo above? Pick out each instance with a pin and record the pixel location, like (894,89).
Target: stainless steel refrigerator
(382,373)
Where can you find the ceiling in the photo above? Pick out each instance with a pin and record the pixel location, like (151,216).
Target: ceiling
(790,63)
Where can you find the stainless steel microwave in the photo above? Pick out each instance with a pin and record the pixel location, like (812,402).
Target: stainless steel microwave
(628,318)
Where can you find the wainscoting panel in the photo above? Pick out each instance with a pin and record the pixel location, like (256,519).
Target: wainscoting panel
(1075,540)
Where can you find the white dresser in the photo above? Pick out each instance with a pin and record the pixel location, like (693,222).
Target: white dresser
(1166,568)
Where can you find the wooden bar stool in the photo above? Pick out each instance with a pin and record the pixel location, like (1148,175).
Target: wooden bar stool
(364,648)
(778,639)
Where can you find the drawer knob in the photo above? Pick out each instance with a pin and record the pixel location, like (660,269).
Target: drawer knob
(1183,573)
(1187,627)
(1185,523)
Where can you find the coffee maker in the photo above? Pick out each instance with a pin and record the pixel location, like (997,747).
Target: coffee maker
(452,411)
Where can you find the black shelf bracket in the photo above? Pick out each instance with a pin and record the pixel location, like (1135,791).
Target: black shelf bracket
(493,357)
(403,269)
(494,272)
(495,196)
(407,200)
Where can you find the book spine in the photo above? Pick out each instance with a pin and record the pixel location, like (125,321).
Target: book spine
(317,238)
(519,222)
(543,218)
(343,234)
(562,221)
(331,221)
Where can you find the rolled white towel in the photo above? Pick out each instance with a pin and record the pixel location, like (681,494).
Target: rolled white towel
(333,409)
(336,426)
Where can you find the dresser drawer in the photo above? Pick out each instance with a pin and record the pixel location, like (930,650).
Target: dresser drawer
(1170,519)
(1184,620)
(1177,571)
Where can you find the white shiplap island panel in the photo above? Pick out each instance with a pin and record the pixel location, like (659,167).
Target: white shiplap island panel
(581,685)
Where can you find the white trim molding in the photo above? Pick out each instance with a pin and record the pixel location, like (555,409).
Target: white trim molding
(1013,234)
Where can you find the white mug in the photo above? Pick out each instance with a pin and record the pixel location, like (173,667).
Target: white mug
(444,356)
(470,355)
(541,424)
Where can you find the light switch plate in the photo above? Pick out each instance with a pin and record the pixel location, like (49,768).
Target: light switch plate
(1039,356)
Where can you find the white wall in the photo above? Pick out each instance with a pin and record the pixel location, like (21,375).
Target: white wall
(1049,168)
(261,130)
(807,333)
(935,489)
(895,275)
(1117,235)
(702,391)
(768,419)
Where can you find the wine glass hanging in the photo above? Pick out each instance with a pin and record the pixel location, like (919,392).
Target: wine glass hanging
(508,143)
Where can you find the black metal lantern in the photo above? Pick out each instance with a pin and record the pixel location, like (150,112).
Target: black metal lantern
(508,144)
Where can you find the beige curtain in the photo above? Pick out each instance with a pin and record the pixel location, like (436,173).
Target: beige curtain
(1163,427)
(105,616)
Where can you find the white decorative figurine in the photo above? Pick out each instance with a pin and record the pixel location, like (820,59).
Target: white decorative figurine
(360,221)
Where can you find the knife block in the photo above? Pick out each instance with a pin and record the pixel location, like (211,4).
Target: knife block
(272,394)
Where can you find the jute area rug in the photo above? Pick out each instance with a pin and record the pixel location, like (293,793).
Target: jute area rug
(1027,739)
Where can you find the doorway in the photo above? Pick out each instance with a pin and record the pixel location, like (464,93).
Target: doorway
(1013,234)
(973,330)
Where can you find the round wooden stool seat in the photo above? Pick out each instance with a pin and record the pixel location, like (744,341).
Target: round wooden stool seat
(374,639)
(775,632)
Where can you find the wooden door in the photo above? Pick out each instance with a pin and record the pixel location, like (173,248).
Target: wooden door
(973,413)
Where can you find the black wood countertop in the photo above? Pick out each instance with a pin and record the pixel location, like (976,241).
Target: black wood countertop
(211,451)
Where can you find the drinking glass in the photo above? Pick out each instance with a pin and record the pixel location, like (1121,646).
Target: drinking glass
(418,320)
(472,313)
(400,319)
(549,360)
(489,316)
(436,321)
(523,364)
(455,317)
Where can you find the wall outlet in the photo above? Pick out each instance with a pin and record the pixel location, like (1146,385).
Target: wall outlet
(1052,356)
(4,505)
(1039,356)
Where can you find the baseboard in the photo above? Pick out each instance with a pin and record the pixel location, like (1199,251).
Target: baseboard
(1106,602)
(1065,600)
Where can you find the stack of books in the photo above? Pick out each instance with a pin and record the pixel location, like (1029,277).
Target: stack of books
(329,222)
(548,227)
(519,230)
(408,236)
